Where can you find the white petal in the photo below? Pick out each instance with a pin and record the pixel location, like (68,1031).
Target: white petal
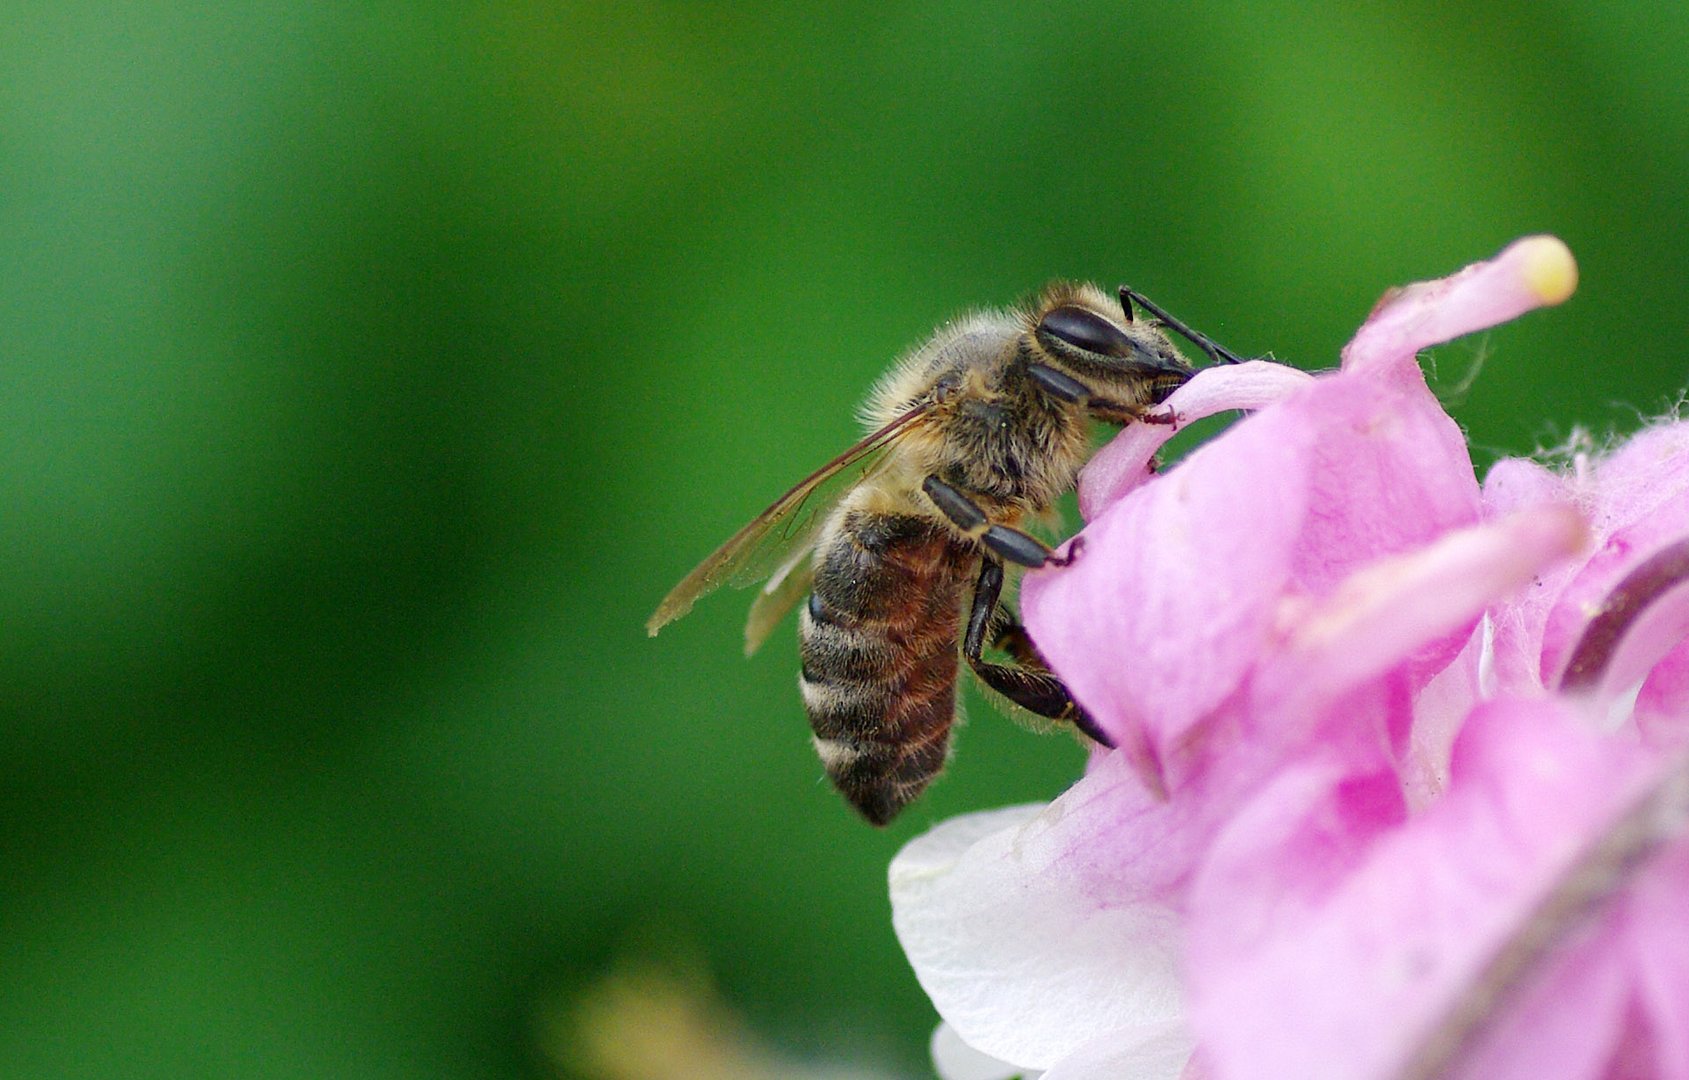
(1147,1053)
(1017,949)
(956,1060)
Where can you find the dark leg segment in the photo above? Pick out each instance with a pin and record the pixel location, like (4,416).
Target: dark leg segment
(1011,638)
(987,590)
(1017,547)
(1064,387)
(1031,687)
(1058,384)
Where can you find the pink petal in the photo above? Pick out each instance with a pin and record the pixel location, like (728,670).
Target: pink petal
(1653,635)
(1641,505)
(1585,594)
(1566,1023)
(1389,472)
(1637,501)
(1514,484)
(1527,274)
(1176,585)
(1439,711)
(1662,705)
(1625,978)
(1124,463)
(1280,856)
(1646,473)
(1519,483)
(1659,951)
(1410,605)
(1360,965)
(1171,599)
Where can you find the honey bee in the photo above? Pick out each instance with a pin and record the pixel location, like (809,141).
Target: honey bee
(900,542)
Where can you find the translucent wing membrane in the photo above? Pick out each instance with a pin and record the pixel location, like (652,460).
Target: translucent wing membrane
(778,595)
(775,543)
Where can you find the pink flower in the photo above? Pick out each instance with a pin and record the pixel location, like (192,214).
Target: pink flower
(1330,834)
(1637,503)
(1528,924)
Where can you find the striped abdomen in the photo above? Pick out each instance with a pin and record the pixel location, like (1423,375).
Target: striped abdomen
(878,641)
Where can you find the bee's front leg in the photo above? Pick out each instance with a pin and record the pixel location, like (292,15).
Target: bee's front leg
(1066,388)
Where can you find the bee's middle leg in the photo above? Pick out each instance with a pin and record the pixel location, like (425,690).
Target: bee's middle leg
(1030,686)
(1002,541)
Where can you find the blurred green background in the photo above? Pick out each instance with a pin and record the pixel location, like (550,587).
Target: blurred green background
(371,370)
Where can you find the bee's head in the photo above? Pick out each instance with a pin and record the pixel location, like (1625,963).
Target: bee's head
(1088,334)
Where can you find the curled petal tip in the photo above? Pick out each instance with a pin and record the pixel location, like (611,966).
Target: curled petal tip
(1530,273)
(1546,267)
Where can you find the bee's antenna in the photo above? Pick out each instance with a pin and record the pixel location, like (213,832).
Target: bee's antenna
(1217,352)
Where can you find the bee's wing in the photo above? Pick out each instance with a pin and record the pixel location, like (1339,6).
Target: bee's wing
(779,594)
(774,544)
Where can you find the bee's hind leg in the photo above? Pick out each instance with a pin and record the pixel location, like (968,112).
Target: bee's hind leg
(1030,685)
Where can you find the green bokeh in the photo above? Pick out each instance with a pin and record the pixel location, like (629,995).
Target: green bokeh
(369,372)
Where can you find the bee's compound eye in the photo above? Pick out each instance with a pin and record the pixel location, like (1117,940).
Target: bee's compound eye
(1085,330)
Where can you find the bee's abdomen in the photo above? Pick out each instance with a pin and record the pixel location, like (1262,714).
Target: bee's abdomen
(878,640)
